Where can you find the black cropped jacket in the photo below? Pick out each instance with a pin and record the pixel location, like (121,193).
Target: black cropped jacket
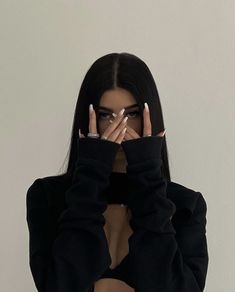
(68,250)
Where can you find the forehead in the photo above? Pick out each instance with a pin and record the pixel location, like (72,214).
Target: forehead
(116,99)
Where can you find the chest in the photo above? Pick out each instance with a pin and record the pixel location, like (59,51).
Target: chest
(112,285)
(117,231)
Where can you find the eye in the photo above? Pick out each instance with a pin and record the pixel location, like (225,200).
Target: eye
(104,116)
(133,114)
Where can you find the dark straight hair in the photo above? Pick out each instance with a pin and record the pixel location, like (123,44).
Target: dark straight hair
(110,71)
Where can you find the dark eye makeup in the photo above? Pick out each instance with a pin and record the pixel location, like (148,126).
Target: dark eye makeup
(105,116)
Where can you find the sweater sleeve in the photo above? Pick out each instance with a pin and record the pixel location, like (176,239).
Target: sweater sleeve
(77,254)
(161,259)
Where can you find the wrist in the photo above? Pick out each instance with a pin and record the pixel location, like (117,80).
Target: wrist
(142,149)
(103,151)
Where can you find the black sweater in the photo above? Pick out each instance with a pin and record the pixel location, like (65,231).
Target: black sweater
(67,243)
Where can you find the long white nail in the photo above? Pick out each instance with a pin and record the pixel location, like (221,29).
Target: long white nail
(146,106)
(91,107)
(121,112)
(125,119)
(124,131)
(164,132)
(80,134)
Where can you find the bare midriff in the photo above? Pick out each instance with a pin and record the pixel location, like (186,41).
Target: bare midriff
(117,231)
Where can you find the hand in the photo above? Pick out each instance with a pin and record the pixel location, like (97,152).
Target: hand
(147,130)
(115,132)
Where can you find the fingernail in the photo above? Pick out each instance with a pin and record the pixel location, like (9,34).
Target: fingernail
(164,132)
(125,119)
(121,111)
(146,106)
(123,131)
(110,121)
(91,107)
(114,114)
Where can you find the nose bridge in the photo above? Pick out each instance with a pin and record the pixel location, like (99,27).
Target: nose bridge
(115,114)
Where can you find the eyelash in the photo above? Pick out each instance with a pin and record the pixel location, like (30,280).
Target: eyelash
(109,115)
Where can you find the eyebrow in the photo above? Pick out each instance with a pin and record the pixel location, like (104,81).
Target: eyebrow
(110,110)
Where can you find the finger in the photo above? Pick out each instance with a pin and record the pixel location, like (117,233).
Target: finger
(117,131)
(118,119)
(92,120)
(80,134)
(161,134)
(127,137)
(121,136)
(147,129)
(132,133)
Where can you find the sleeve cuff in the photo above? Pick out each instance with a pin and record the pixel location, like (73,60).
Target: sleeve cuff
(101,150)
(141,149)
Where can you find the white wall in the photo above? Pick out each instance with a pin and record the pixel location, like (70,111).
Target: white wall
(46,47)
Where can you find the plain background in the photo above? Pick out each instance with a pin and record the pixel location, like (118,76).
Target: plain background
(46,49)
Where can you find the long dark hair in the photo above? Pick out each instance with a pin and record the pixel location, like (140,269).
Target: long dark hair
(108,72)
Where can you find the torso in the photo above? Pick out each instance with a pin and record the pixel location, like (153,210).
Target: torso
(117,231)
(112,285)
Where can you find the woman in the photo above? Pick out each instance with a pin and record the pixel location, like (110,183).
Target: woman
(114,221)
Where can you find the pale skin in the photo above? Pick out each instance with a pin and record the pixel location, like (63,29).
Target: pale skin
(117,128)
(113,131)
